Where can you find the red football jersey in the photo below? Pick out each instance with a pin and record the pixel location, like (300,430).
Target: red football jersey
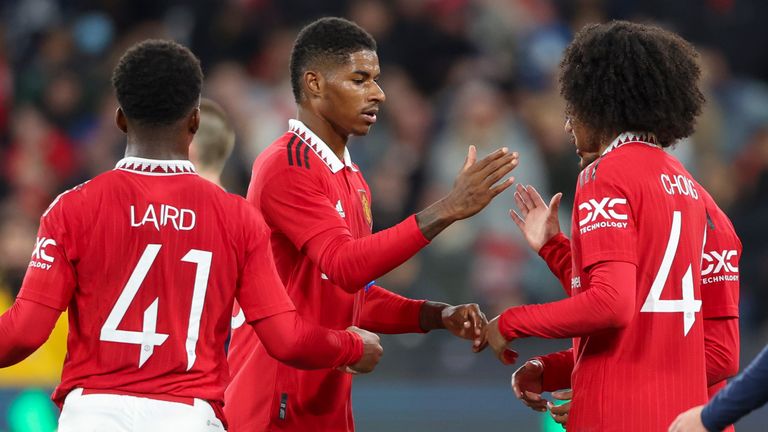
(302,189)
(639,205)
(149,258)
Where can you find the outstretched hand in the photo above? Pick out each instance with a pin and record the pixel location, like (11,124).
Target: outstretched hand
(475,186)
(539,221)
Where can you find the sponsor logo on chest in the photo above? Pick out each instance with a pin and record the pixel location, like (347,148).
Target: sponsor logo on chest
(606,212)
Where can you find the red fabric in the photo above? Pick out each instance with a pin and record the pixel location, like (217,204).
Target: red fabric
(23,329)
(287,338)
(608,304)
(720,265)
(390,313)
(558,367)
(319,215)
(556,252)
(125,229)
(721,347)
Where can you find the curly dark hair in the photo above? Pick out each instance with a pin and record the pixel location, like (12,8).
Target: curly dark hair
(157,82)
(623,76)
(325,39)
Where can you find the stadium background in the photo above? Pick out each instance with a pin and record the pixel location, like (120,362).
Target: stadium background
(456,72)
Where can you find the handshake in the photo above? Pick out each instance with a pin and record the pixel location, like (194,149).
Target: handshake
(465,321)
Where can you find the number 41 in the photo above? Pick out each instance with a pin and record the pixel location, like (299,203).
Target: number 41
(148,338)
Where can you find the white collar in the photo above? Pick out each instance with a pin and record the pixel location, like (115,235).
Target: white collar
(628,137)
(320,147)
(155,167)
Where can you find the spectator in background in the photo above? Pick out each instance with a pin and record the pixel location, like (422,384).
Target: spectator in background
(213,142)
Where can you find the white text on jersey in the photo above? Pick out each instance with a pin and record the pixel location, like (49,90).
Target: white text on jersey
(719,266)
(167,215)
(679,184)
(39,253)
(612,210)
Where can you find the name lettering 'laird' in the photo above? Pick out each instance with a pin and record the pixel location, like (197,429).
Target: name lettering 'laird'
(679,184)
(164,215)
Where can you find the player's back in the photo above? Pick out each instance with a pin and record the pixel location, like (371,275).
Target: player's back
(157,252)
(638,204)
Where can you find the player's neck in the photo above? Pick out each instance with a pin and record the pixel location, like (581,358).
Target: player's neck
(157,147)
(321,127)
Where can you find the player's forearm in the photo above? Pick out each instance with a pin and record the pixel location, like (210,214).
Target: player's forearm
(745,393)
(302,345)
(353,263)
(23,329)
(557,254)
(721,348)
(558,367)
(434,219)
(608,303)
(390,313)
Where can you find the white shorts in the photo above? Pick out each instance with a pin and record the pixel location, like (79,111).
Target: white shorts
(121,413)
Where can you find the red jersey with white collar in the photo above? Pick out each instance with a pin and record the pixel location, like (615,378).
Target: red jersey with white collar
(319,210)
(148,258)
(637,205)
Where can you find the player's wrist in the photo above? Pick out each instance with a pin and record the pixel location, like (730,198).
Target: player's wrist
(552,244)
(431,315)
(435,219)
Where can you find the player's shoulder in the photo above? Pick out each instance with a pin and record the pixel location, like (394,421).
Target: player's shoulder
(289,159)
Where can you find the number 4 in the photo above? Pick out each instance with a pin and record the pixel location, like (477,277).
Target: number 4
(148,338)
(688,305)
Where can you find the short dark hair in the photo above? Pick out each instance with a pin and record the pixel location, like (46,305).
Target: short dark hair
(326,39)
(623,76)
(157,82)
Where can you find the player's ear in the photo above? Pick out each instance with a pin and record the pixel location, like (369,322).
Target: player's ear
(314,83)
(194,121)
(120,120)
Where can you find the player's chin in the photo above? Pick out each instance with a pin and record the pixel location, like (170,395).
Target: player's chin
(361,129)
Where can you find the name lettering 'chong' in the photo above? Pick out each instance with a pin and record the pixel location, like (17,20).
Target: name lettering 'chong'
(679,184)
(167,215)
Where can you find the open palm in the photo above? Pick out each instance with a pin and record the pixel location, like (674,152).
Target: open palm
(537,220)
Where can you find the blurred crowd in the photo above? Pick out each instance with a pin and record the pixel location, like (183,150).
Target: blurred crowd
(456,72)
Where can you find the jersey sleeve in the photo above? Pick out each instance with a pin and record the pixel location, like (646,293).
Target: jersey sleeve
(604,218)
(51,279)
(720,268)
(557,254)
(260,292)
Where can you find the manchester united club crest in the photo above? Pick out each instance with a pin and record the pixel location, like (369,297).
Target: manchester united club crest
(366,206)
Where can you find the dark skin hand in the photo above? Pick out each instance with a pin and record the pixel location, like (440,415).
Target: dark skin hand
(465,321)
(473,190)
